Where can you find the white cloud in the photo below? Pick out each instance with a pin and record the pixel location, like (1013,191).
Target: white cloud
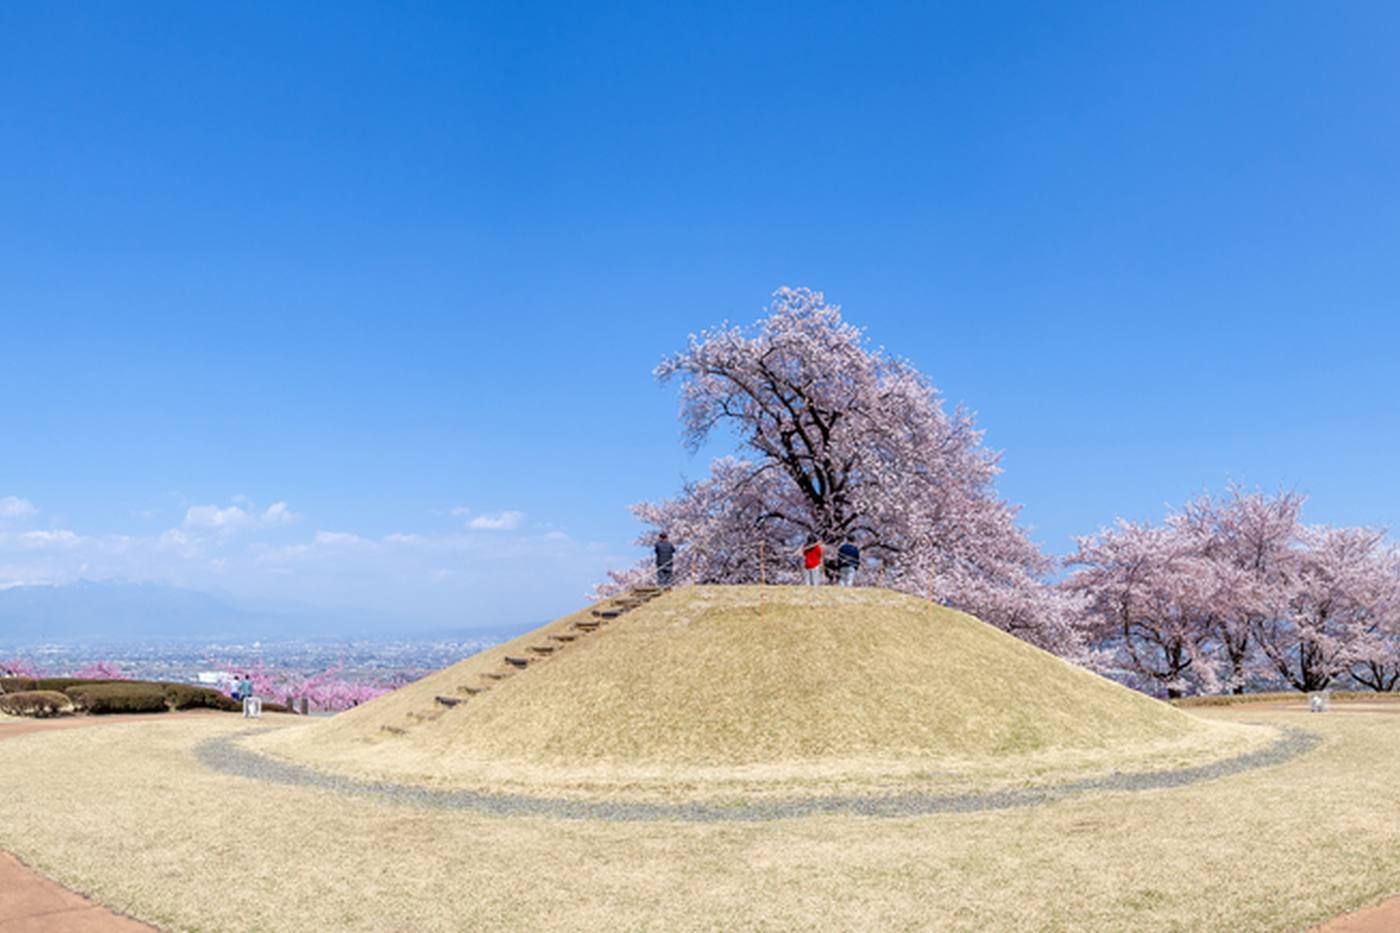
(43,539)
(278,514)
(339,539)
(235,518)
(15,507)
(459,511)
(213,518)
(497,521)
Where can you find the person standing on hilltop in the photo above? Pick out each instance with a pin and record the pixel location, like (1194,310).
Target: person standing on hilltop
(848,556)
(812,561)
(665,558)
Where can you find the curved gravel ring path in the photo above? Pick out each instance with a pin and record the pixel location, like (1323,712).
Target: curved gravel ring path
(226,755)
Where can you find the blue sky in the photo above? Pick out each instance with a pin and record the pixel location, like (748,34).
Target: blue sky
(290,297)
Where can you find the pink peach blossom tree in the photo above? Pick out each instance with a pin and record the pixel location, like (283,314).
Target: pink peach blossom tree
(17,667)
(101,670)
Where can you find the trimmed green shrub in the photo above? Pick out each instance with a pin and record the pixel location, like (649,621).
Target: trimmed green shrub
(38,703)
(189,696)
(63,683)
(127,697)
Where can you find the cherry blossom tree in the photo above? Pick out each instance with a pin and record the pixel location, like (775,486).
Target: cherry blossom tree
(1376,648)
(1153,597)
(837,439)
(1237,589)
(1337,592)
(1249,539)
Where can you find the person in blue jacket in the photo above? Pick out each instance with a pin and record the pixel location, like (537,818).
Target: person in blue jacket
(848,557)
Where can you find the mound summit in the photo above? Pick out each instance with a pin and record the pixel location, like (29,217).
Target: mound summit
(699,689)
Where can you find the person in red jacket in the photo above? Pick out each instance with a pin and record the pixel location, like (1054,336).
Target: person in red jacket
(812,561)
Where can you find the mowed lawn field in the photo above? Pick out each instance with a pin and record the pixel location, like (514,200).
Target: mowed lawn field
(126,814)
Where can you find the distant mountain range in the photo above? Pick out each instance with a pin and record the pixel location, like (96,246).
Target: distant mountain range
(113,612)
(116,612)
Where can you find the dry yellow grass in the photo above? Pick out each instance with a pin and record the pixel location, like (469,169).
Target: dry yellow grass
(698,693)
(134,821)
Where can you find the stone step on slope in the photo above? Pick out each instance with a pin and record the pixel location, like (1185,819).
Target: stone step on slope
(520,663)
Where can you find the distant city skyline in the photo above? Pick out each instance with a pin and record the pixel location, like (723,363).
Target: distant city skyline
(359,313)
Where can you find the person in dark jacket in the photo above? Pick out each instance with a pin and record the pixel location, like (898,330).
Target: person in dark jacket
(665,557)
(848,555)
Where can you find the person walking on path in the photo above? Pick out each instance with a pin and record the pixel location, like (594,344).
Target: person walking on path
(252,706)
(665,559)
(848,556)
(812,561)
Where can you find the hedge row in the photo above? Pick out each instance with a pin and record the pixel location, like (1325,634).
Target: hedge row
(136,696)
(118,698)
(38,703)
(24,684)
(123,696)
(188,696)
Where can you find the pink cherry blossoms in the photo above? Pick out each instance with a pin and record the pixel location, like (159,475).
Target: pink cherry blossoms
(836,438)
(17,667)
(101,670)
(326,691)
(841,439)
(1237,591)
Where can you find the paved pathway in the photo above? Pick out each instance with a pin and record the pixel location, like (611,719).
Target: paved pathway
(30,903)
(1383,918)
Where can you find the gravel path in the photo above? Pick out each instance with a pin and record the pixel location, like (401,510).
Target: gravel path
(228,756)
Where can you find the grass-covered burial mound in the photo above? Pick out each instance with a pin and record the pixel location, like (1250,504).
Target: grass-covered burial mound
(702,691)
